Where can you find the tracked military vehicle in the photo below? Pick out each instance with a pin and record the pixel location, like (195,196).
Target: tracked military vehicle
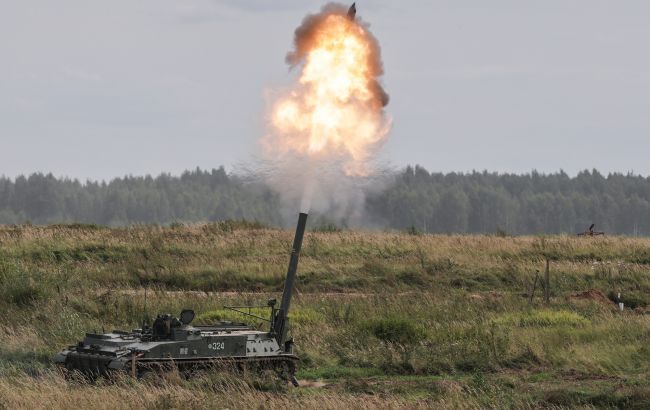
(172,342)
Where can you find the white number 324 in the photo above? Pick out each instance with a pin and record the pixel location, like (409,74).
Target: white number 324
(216,345)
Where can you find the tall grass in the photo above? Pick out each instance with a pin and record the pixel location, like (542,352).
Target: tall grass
(385,319)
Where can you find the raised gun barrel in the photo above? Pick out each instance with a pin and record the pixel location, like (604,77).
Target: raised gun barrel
(280,324)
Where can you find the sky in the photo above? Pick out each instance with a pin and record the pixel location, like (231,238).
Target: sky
(96,90)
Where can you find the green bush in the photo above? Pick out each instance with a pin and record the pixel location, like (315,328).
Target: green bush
(396,330)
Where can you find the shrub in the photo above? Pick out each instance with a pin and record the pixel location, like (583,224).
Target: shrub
(396,330)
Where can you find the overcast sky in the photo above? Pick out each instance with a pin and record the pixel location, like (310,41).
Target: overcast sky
(92,89)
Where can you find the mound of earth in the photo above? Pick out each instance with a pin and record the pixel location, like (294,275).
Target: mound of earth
(593,295)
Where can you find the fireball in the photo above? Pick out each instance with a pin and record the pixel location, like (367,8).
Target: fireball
(336,108)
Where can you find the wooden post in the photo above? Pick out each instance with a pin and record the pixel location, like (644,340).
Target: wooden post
(133,373)
(547,284)
(532,292)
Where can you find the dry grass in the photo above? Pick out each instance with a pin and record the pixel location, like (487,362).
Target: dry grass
(474,339)
(54,392)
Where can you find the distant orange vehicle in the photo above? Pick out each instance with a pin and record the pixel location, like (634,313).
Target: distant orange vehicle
(591,232)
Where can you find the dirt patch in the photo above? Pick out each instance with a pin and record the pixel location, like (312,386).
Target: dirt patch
(593,295)
(492,296)
(312,383)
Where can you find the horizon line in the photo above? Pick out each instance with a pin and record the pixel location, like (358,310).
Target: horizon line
(395,170)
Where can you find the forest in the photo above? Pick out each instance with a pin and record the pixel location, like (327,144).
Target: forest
(412,199)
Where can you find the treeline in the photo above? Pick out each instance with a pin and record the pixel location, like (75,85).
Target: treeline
(193,196)
(414,199)
(532,203)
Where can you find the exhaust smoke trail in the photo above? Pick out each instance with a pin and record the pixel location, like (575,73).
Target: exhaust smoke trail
(325,131)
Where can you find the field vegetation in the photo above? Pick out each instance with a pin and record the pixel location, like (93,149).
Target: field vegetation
(380,319)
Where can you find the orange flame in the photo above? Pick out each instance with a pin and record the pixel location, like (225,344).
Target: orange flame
(336,109)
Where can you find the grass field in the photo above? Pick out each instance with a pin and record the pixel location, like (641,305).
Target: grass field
(380,319)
